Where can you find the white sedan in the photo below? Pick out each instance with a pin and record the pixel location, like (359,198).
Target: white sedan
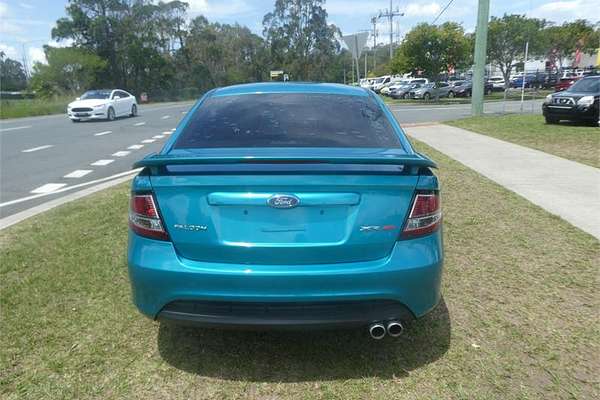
(102,104)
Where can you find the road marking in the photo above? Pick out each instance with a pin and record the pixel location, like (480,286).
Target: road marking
(101,163)
(139,124)
(48,188)
(102,133)
(149,141)
(64,189)
(173,130)
(165,117)
(184,112)
(78,173)
(122,153)
(16,128)
(46,146)
(158,136)
(135,146)
(167,132)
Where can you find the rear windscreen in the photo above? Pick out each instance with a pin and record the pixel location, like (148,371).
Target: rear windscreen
(288,120)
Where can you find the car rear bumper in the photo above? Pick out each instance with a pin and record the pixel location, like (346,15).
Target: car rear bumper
(580,113)
(403,285)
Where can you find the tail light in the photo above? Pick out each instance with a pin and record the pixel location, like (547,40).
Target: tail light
(425,215)
(144,218)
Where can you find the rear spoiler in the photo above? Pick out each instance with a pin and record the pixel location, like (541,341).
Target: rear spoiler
(408,160)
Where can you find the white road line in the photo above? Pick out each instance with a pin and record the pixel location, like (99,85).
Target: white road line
(165,117)
(184,112)
(102,133)
(16,128)
(48,188)
(101,163)
(158,136)
(139,124)
(64,189)
(149,141)
(135,146)
(173,130)
(167,132)
(78,173)
(46,146)
(122,153)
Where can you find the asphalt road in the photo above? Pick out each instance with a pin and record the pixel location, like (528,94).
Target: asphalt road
(43,158)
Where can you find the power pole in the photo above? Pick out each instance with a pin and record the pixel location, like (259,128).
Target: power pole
(390,14)
(374,22)
(483,15)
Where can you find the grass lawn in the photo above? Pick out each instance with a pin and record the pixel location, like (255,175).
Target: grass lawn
(576,142)
(32,107)
(519,318)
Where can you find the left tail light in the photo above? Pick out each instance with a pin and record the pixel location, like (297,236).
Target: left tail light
(425,215)
(144,218)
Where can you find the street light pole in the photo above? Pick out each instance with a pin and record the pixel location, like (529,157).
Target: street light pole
(483,14)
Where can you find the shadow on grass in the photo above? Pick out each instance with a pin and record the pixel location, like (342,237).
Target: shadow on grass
(305,356)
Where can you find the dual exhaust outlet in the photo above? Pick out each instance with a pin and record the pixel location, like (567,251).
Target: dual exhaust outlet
(378,330)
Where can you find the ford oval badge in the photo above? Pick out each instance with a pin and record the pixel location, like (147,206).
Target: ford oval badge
(283,201)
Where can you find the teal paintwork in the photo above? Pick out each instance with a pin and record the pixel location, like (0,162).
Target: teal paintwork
(318,251)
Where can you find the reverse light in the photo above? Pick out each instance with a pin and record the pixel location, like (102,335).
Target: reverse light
(586,101)
(144,218)
(425,215)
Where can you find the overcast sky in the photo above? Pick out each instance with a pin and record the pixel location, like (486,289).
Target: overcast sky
(26,24)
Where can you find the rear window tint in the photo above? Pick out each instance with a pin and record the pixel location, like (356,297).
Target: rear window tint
(288,120)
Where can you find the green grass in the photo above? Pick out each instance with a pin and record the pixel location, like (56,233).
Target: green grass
(33,107)
(519,319)
(575,142)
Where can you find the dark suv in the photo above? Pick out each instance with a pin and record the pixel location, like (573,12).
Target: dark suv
(578,103)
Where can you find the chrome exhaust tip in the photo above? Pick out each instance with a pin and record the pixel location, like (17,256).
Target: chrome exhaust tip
(377,331)
(394,328)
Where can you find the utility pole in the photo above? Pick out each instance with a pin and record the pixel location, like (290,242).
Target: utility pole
(390,14)
(483,15)
(374,22)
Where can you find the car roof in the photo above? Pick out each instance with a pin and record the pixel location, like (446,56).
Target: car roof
(290,87)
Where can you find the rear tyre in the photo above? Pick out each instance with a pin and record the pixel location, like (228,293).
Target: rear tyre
(110,114)
(450,95)
(405,96)
(426,96)
(550,120)
(134,111)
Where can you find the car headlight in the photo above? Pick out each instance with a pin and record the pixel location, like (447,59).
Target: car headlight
(99,105)
(586,101)
(548,99)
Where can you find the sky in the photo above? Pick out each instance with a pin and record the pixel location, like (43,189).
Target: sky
(25,25)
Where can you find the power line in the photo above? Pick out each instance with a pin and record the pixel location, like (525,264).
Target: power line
(441,12)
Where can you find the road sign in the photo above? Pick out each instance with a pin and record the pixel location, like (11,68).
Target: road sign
(356,43)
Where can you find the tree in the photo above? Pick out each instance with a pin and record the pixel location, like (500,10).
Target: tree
(506,41)
(433,49)
(69,70)
(563,40)
(12,74)
(299,39)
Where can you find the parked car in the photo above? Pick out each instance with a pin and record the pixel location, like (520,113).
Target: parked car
(566,83)
(334,221)
(380,83)
(102,104)
(385,90)
(497,82)
(465,88)
(580,102)
(401,92)
(431,90)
